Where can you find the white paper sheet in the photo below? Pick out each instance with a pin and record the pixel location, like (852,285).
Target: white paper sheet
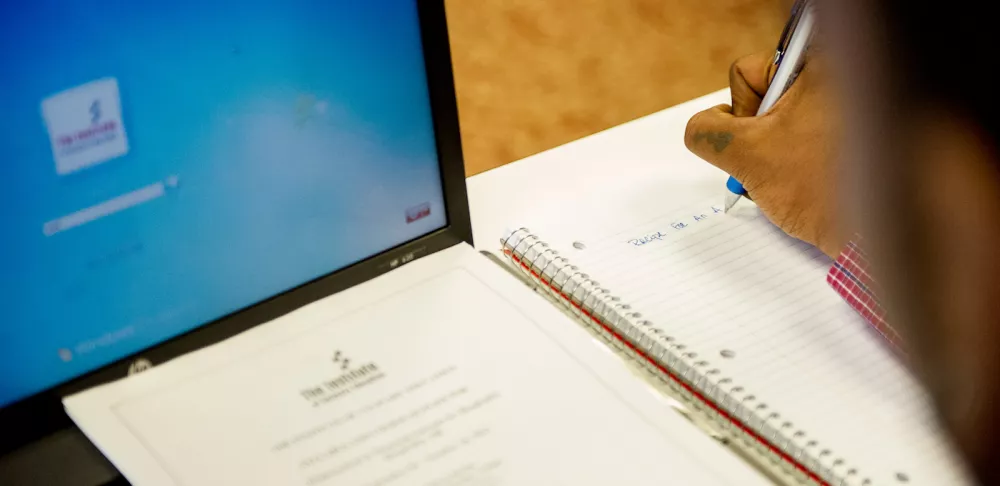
(445,372)
(735,285)
(642,156)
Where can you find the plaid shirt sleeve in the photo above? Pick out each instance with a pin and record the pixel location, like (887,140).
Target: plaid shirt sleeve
(850,278)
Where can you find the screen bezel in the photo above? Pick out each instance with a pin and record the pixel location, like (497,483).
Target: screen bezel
(41,414)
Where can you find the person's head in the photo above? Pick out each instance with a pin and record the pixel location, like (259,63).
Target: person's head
(923,181)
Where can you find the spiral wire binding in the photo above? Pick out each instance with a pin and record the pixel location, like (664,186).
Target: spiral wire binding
(590,302)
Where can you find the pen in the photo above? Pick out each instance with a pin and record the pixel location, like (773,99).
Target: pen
(788,59)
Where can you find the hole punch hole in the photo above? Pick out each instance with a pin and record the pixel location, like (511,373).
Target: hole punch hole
(902,477)
(728,353)
(579,245)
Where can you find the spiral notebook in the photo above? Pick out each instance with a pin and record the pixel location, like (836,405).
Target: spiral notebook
(737,320)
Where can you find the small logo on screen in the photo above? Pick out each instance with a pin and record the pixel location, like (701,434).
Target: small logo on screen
(418,212)
(85,125)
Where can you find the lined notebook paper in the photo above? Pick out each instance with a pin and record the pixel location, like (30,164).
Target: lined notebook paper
(753,307)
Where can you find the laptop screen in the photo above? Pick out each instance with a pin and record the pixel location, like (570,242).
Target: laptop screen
(165,164)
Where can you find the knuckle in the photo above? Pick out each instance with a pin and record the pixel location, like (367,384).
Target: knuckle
(691,130)
(734,70)
(740,66)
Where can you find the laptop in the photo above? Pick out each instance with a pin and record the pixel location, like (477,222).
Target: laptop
(181,172)
(199,194)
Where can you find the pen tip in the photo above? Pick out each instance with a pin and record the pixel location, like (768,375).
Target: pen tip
(731,200)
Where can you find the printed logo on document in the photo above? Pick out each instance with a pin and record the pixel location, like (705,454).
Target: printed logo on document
(350,376)
(85,125)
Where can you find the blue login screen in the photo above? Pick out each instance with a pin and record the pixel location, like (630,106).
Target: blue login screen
(165,164)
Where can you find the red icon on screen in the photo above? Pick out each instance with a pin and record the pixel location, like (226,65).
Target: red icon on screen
(418,212)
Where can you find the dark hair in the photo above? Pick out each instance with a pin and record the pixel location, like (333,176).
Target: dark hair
(940,55)
(943,52)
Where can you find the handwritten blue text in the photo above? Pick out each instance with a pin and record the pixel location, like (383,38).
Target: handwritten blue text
(647,239)
(677,225)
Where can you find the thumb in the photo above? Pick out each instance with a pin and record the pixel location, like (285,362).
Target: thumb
(722,139)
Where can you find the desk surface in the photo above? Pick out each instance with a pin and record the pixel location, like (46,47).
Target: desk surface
(635,152)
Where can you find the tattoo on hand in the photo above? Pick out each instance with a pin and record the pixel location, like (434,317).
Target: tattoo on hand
(719,140)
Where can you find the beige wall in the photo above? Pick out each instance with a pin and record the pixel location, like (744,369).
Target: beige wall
(534,74)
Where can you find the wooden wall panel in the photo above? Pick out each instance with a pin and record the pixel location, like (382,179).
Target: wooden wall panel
(534,74)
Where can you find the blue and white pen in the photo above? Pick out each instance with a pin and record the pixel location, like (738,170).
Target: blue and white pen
(789,59)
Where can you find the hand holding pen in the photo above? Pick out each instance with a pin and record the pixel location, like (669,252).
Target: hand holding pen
(785,158)
(789,57)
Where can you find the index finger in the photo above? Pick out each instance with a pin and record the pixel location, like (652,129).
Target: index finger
(749,77)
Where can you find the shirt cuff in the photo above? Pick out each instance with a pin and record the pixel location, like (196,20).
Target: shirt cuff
(850,278)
